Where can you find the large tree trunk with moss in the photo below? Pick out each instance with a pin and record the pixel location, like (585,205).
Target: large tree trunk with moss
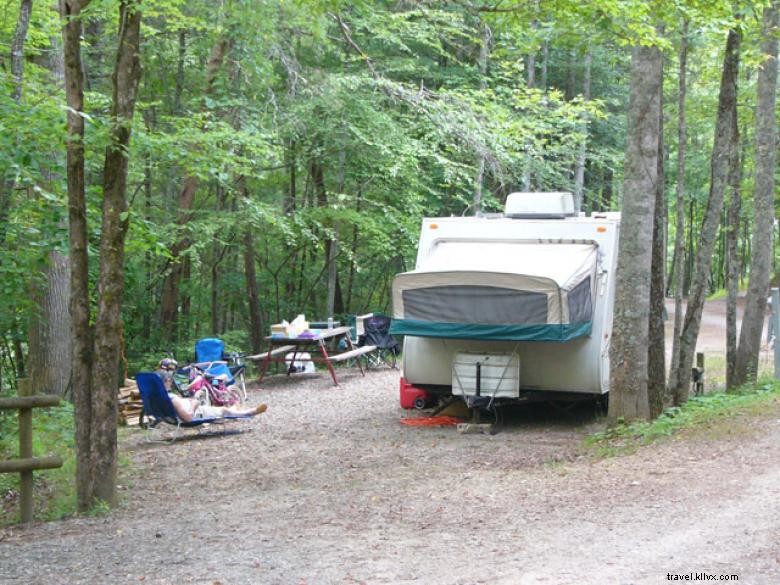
(722,153)
(49,343)
(111,280)
(628,352)
(763,203)
(81,336)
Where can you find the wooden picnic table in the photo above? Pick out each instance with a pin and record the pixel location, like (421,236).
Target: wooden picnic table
(322,346)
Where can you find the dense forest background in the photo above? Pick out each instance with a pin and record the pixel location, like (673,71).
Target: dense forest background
(284,152)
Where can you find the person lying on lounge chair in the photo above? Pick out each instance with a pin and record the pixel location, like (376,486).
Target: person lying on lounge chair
(189,409)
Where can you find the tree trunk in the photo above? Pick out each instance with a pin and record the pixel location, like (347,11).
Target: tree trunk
(571,75)
(331,244)
(688,277)
(218,304)
(722,153)
(732,260)
(177,95)
(49,339)
(766,164)
(146,327)
(484,52)
(81,337)
(17,73)
(353,256)
(656,349)
(214,301)
(17,47)
(606,194)
(291,160)
(256,327)
(331,253)
(49,348)
(169,302)
(679,234)
(111,280)
(628,352)
(579,167)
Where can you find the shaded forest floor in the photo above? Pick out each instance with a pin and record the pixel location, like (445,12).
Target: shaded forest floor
(329,487)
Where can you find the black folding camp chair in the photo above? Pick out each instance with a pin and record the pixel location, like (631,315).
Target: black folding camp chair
(376,332)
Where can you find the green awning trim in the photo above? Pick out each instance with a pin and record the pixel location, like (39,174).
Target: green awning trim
(511,332)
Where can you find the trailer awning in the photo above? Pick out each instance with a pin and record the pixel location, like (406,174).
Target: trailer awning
(498,290)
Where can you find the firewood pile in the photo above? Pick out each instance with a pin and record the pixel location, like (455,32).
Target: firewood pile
(130,404)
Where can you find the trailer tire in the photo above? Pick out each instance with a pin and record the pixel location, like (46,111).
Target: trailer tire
(420,403)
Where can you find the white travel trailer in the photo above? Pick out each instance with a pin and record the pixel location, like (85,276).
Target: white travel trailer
(509,305)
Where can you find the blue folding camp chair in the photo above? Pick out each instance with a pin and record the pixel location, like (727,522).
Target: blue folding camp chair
(158,408)
(210,355)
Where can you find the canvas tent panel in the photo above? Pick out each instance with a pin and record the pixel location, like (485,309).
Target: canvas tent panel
(475,304)
(498,290)
(580,301)
(565,264)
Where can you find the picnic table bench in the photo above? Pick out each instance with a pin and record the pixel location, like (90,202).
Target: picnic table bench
(272,353)
(358,351)
(321,344)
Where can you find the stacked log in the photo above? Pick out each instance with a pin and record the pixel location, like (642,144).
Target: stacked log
(130,404)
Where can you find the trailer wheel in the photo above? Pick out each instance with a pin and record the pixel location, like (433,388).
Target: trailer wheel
(420,403)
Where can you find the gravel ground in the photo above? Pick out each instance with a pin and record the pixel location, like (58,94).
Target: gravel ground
(328,487)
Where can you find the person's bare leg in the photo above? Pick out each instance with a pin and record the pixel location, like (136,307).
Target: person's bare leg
(259,409)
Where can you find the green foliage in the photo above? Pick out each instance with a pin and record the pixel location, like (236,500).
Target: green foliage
(699,411)
(328,119)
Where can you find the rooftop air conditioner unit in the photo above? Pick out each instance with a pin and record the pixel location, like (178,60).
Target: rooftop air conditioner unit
(539,205)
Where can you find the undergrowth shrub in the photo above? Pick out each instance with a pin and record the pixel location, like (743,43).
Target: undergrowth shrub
(699,410)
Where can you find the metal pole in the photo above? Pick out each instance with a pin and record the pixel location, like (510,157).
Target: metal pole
(476,413)
(775,316)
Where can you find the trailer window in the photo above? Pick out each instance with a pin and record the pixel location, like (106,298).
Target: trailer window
(580,303)
(475,304)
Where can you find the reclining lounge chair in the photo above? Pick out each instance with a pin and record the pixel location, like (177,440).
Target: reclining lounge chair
(158,408)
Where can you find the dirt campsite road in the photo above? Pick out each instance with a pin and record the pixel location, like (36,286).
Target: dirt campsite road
(329,488)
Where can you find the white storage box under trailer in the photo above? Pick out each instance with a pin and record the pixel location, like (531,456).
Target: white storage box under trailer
(532,289)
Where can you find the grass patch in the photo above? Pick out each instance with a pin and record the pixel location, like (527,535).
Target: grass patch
(54,494)
(699,411)
(54,490)
(723,293)
(716,295)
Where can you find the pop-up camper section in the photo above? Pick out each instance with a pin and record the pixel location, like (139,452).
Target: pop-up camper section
(509,291)
(531,289)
